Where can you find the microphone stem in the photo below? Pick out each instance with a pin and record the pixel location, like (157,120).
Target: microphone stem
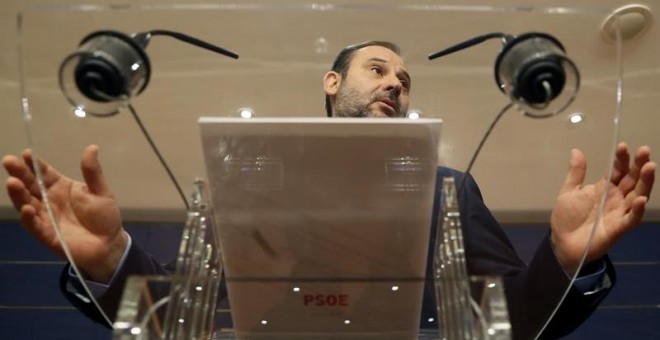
(194,41)
(469,43)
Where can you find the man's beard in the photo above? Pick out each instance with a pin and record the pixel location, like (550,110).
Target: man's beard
(351,103)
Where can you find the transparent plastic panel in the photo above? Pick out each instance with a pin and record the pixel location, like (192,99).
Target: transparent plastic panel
(635,256)
(284,51)
(324,223)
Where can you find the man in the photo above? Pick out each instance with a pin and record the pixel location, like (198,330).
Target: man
(369,80)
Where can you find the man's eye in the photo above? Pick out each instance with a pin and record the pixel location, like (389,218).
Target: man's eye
(377,70)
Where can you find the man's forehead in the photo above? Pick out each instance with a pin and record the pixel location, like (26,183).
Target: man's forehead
(378,53)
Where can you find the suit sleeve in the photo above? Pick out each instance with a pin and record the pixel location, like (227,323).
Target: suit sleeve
(137,263)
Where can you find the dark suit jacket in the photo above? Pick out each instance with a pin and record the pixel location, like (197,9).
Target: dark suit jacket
(532,290)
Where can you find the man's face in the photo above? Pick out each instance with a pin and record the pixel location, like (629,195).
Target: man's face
(376,85)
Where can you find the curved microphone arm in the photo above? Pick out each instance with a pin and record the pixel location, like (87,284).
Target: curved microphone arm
(144,37)
(469,43)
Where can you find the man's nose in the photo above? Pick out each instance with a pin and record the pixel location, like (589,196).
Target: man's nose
(394,86)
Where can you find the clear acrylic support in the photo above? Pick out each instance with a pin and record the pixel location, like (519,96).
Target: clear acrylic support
(469,308)
(182,306)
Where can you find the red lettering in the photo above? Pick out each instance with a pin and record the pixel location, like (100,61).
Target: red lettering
(319,300)
(307,298)
(325,300)
(331,300)
(343,300)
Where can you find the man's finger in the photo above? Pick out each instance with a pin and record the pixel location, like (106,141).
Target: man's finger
(93,172)
(17,168)
(33,224)
(634,216)
(576,172)
(621,163)
(19,195)
(642,156)
(646,179)
(48,174)
(632,179)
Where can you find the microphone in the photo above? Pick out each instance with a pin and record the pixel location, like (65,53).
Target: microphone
(532,69)
(110,67)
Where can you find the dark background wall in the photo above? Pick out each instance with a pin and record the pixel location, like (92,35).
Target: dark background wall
(31,306)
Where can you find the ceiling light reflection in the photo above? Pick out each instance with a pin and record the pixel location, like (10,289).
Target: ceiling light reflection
(413,114)
(80,112)
(576,118)
(245,112)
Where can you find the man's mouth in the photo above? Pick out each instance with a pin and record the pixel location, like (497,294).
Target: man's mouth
(391,104)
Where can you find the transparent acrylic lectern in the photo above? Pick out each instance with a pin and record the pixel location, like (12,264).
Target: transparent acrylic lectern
(284,49)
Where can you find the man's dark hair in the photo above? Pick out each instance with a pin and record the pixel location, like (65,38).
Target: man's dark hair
(343,60)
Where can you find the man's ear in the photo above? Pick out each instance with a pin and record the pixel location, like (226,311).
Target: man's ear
(331,82)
